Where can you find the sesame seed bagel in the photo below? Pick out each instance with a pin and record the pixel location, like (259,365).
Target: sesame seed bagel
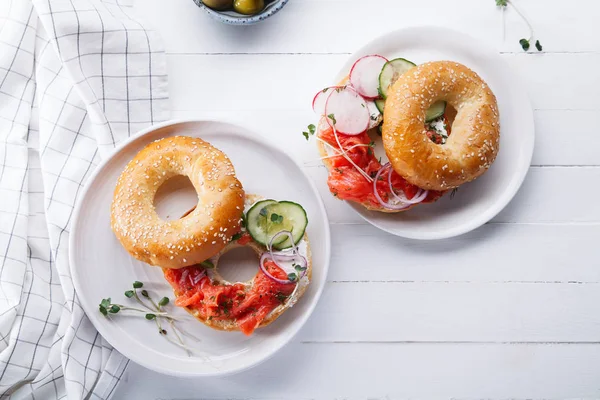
(195,237)
(473,144)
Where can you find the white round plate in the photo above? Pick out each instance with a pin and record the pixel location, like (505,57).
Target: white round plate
(477,202)
(101,267)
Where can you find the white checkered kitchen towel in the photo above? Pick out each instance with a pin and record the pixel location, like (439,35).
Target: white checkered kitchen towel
(76,78)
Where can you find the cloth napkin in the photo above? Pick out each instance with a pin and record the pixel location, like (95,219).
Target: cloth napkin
(76,78)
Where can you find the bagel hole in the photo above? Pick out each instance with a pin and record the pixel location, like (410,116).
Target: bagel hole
(239,264)
(175,197)
(449,115)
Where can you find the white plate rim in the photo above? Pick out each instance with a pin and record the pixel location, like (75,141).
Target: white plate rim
(529,140)
(90,309)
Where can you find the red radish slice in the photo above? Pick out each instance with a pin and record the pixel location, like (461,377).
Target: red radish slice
(349,111)
(320,99)
(364,75)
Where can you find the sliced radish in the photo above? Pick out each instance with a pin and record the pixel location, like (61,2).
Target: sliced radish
(320,99)
(349,111)
(375,116)
(364,75)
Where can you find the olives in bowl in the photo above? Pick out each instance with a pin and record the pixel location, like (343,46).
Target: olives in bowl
(245,7)
(219,4)
(241,12)
(249,7)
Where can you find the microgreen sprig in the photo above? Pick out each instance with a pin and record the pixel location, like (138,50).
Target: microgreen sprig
(152,312)
(276,218)
(237,236)
(295,276)
(525,43)
(311,131)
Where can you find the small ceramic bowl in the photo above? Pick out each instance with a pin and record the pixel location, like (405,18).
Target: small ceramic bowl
(234,18)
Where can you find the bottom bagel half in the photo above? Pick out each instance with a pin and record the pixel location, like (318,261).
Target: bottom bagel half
(237,306)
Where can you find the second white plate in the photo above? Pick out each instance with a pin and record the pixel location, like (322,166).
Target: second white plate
(477,202)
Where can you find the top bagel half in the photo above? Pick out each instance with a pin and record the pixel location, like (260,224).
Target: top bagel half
(195,237)
(473,144)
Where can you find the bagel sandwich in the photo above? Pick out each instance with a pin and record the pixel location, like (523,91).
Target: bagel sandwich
(438,124)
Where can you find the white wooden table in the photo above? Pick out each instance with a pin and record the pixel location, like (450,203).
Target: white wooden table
(511,310)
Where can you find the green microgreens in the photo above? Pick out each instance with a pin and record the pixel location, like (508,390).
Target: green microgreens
(299,268)
(295,276)
(237,236)
(525,43)
(370,148)
(163,302)
(244,222)
(311,131)
(453,193)
(263,212)
(281,297)
(332,118)
(207,264)
(152,312)
(292,277)
(276,218)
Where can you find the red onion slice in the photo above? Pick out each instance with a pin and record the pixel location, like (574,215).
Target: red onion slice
(292,254)
(301,260)
(417,198)
(388,205)
(194,277)
(198,277)
(184,276)
(277,235)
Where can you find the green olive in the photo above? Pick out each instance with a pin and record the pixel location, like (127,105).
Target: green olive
(218,4)
(248,7)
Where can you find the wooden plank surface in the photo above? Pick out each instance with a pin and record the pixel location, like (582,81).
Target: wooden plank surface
(511,310)
(382,371)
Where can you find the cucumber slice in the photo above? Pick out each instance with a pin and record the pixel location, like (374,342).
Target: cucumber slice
(436,110)
(390,73)
(258,223)
(380,103)
(292,217)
